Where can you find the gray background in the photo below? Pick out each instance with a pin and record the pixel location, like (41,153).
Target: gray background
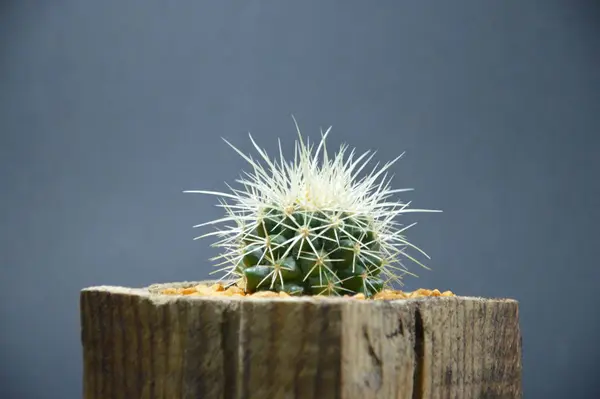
(109,109)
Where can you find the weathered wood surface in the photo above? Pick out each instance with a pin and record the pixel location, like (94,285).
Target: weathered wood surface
(137,344)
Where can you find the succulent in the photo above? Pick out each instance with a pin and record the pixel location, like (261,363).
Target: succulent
(312,226)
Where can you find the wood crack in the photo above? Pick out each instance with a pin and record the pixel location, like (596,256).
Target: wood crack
(229,344)
(398,331)
(419,349)
(373,379)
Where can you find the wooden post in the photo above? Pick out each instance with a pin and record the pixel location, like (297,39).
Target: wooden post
(141,344)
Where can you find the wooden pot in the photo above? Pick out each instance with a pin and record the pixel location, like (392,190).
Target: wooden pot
(138,343)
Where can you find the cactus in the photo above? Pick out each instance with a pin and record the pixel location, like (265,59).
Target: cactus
(313,228)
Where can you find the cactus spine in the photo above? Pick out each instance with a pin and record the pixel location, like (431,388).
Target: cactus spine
(311,227)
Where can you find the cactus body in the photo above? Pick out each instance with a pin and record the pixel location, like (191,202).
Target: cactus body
(313,228)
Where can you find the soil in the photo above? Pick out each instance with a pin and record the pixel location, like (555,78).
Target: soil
(235,291)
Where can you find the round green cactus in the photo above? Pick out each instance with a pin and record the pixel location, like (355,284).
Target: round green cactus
(311,227)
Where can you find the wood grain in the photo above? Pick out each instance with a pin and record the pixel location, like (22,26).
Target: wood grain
(139,344)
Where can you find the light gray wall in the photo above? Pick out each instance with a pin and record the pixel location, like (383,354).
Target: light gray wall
(109,109)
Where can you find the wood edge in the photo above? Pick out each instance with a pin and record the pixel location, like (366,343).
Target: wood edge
(152,292)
